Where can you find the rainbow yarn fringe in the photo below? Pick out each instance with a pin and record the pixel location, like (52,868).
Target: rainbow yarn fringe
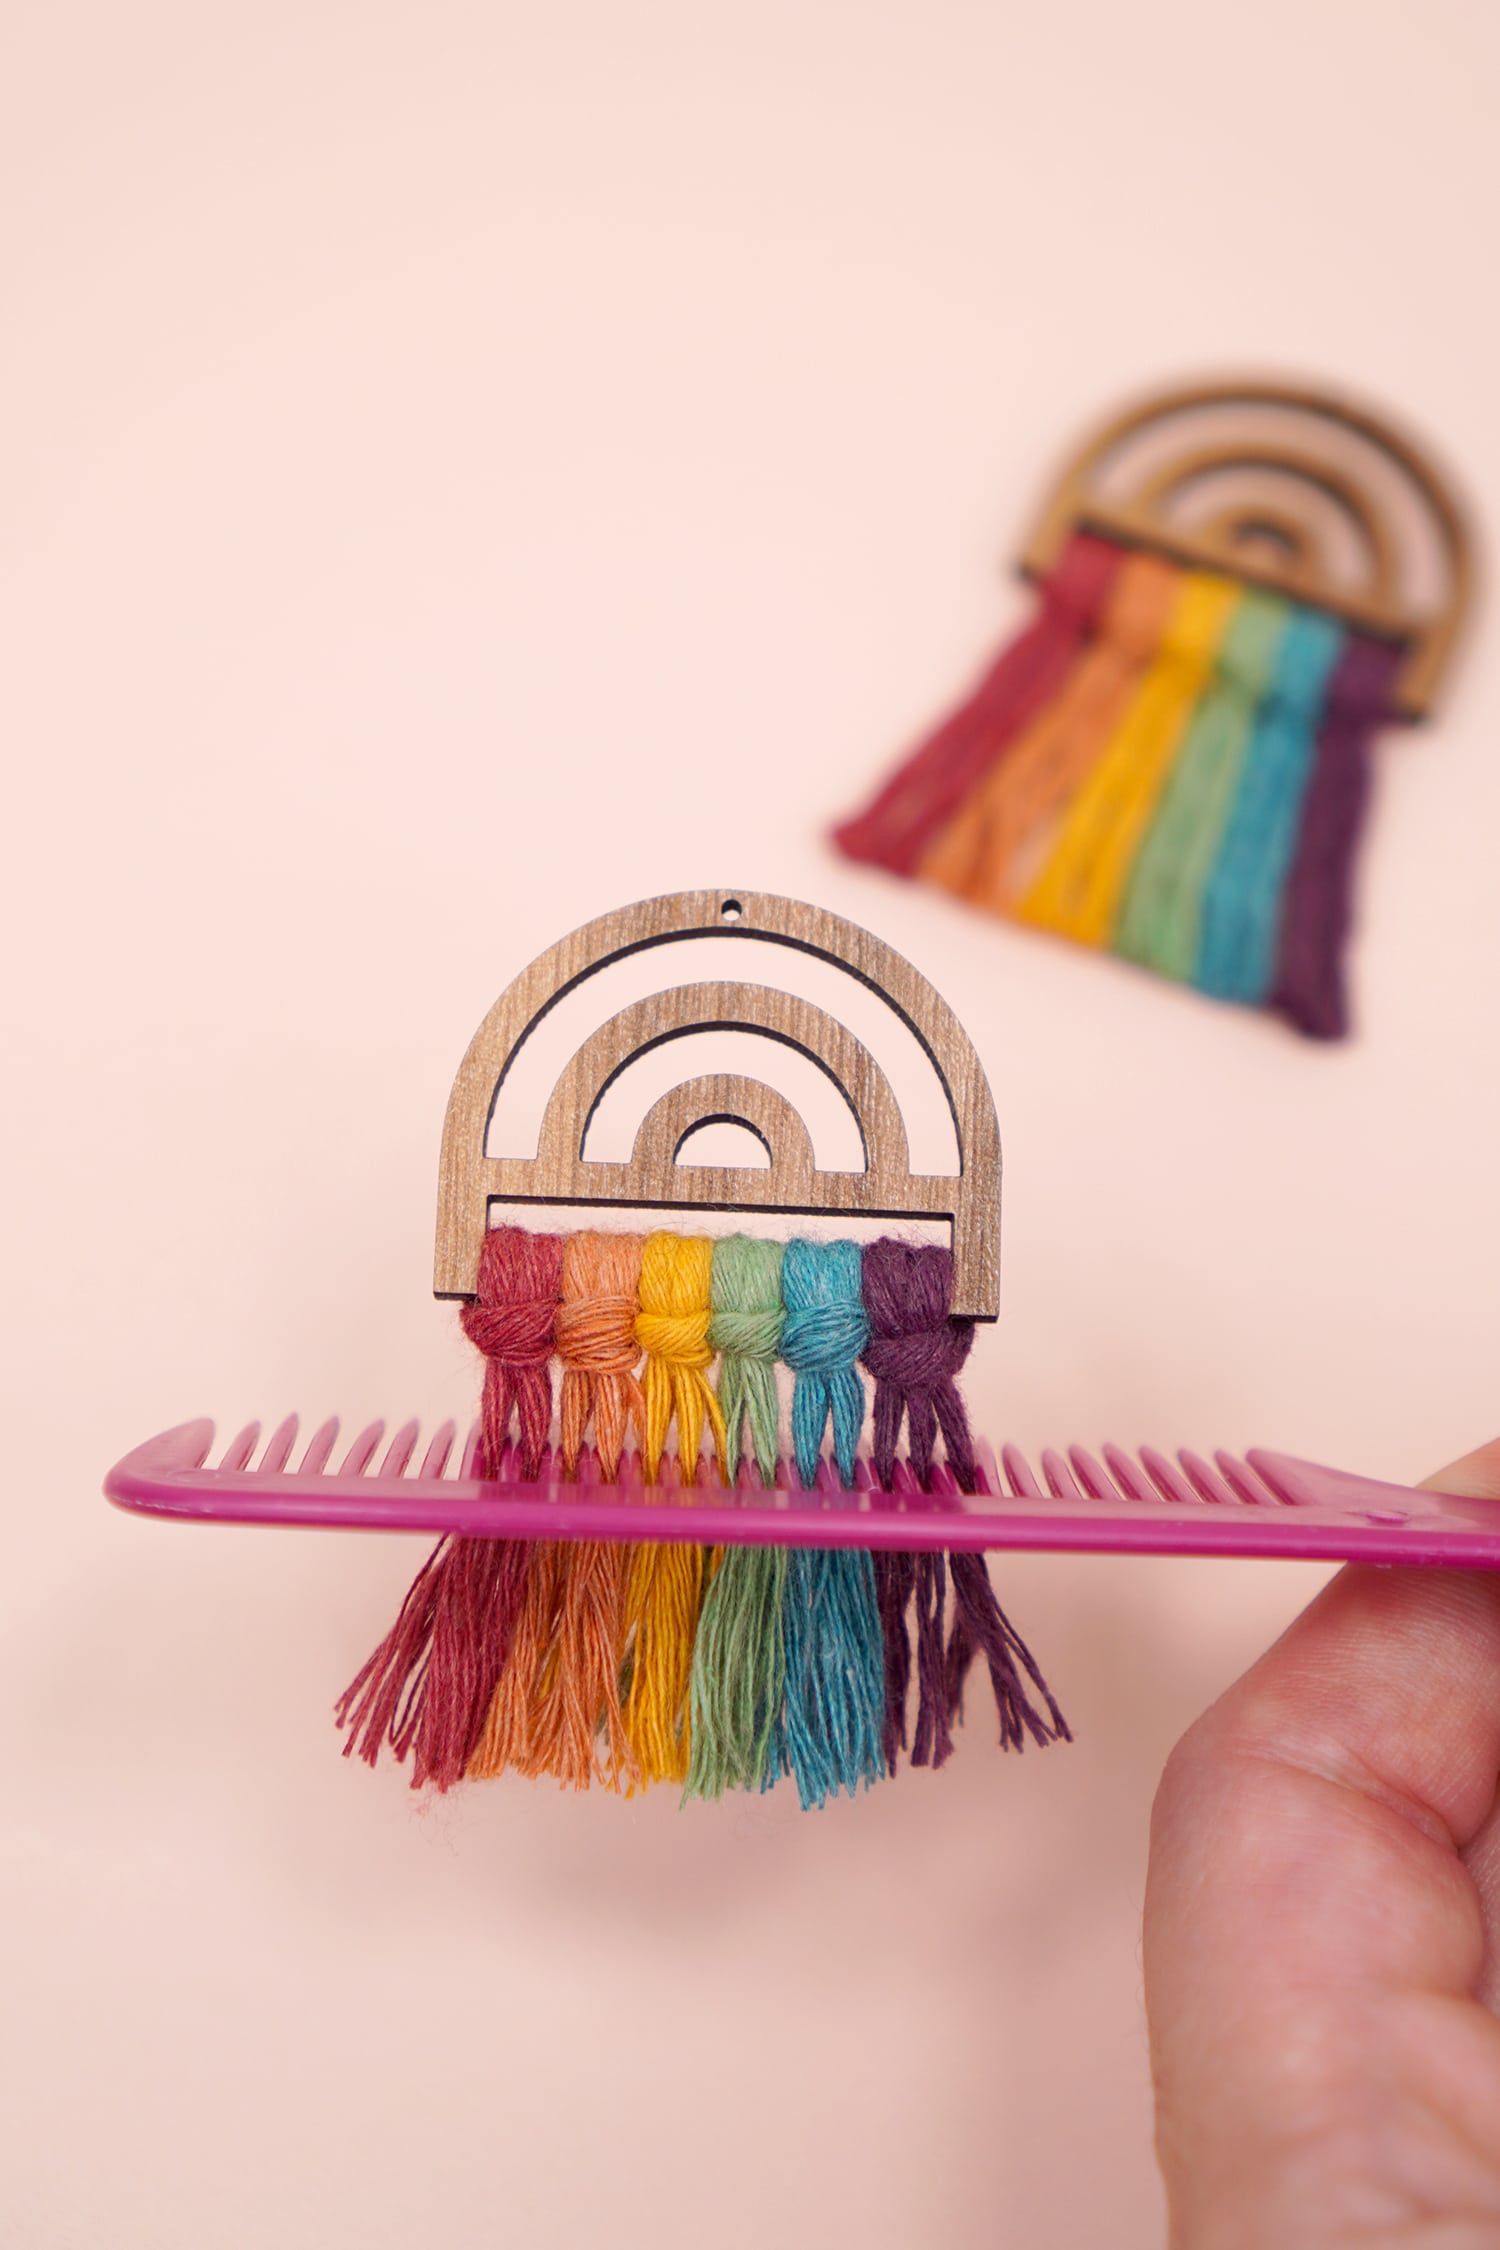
(1166,765)
(710,1669)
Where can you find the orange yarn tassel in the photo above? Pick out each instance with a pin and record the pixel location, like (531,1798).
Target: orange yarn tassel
(510,1725)
(596,1343)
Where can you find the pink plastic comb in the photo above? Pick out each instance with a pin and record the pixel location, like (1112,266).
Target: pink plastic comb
(1123,1503)
(1263,1504)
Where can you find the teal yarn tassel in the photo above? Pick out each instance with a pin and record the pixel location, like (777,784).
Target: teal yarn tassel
(825,1331)
(829,1737)
(739,1656)
(834,1708)
(1242,904)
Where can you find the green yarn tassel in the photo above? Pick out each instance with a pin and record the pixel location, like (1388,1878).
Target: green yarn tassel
(739,1672)
(1162,908)
(745,1290)
(739,1660)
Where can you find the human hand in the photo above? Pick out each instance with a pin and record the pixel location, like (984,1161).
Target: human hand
(1322,1932)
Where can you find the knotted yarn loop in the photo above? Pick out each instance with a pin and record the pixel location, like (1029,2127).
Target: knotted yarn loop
(923,1359)
(519,1335)
(681,1339)
(823,1339)
(747,1335)
(596,1335)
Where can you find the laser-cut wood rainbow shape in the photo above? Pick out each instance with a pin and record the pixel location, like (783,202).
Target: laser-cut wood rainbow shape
(1290,462)
(470,1181)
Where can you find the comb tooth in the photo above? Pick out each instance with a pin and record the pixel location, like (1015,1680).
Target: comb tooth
(240,1448)
(1018,1474)
(986,1468)
(469,1462)
(1059,1476)
(319,1446)
(400,1450)
(435,1459)
(1269,1467)
(1089,1474)
(357,1459)
(1167,1480)
(1244,1483)
(1128,1477)
(278,1447)
(1203,1481)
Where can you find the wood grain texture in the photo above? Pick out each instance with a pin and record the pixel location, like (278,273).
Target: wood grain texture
(1293,563)
(652,1178)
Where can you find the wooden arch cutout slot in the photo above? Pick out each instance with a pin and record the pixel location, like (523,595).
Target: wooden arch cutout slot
(653,1179)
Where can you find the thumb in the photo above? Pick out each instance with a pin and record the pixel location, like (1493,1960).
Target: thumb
(1310,1923)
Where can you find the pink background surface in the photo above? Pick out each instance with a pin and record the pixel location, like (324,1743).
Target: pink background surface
(467,467)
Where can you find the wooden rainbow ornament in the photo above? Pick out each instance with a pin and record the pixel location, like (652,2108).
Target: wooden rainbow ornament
(655,1565)
(1239,583)
(704,1665)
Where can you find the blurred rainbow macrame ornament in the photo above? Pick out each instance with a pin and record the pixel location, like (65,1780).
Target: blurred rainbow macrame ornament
(646,1572)
(1239,583)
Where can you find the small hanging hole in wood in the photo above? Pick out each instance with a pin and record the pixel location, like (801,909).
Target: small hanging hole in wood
(731,911)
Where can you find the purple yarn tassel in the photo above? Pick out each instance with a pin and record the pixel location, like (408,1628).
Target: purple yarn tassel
(981,1628)
(895,1582)
(1308,987)
(932,1742)
(915,1352)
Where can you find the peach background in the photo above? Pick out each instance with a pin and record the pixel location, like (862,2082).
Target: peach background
(467,466)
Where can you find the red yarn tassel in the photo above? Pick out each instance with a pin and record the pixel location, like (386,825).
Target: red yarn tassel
(371,1703)
(478,1603)
(923,795)
(429,1685)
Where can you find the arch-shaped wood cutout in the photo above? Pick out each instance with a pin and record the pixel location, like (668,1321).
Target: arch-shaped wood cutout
(726,1098)
(691,1008)
(1235,527)
(1142,516)
(1290,468)
(470,1181)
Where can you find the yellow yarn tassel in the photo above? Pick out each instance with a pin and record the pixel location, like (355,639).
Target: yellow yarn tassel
(667,1580)
(1078,891)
